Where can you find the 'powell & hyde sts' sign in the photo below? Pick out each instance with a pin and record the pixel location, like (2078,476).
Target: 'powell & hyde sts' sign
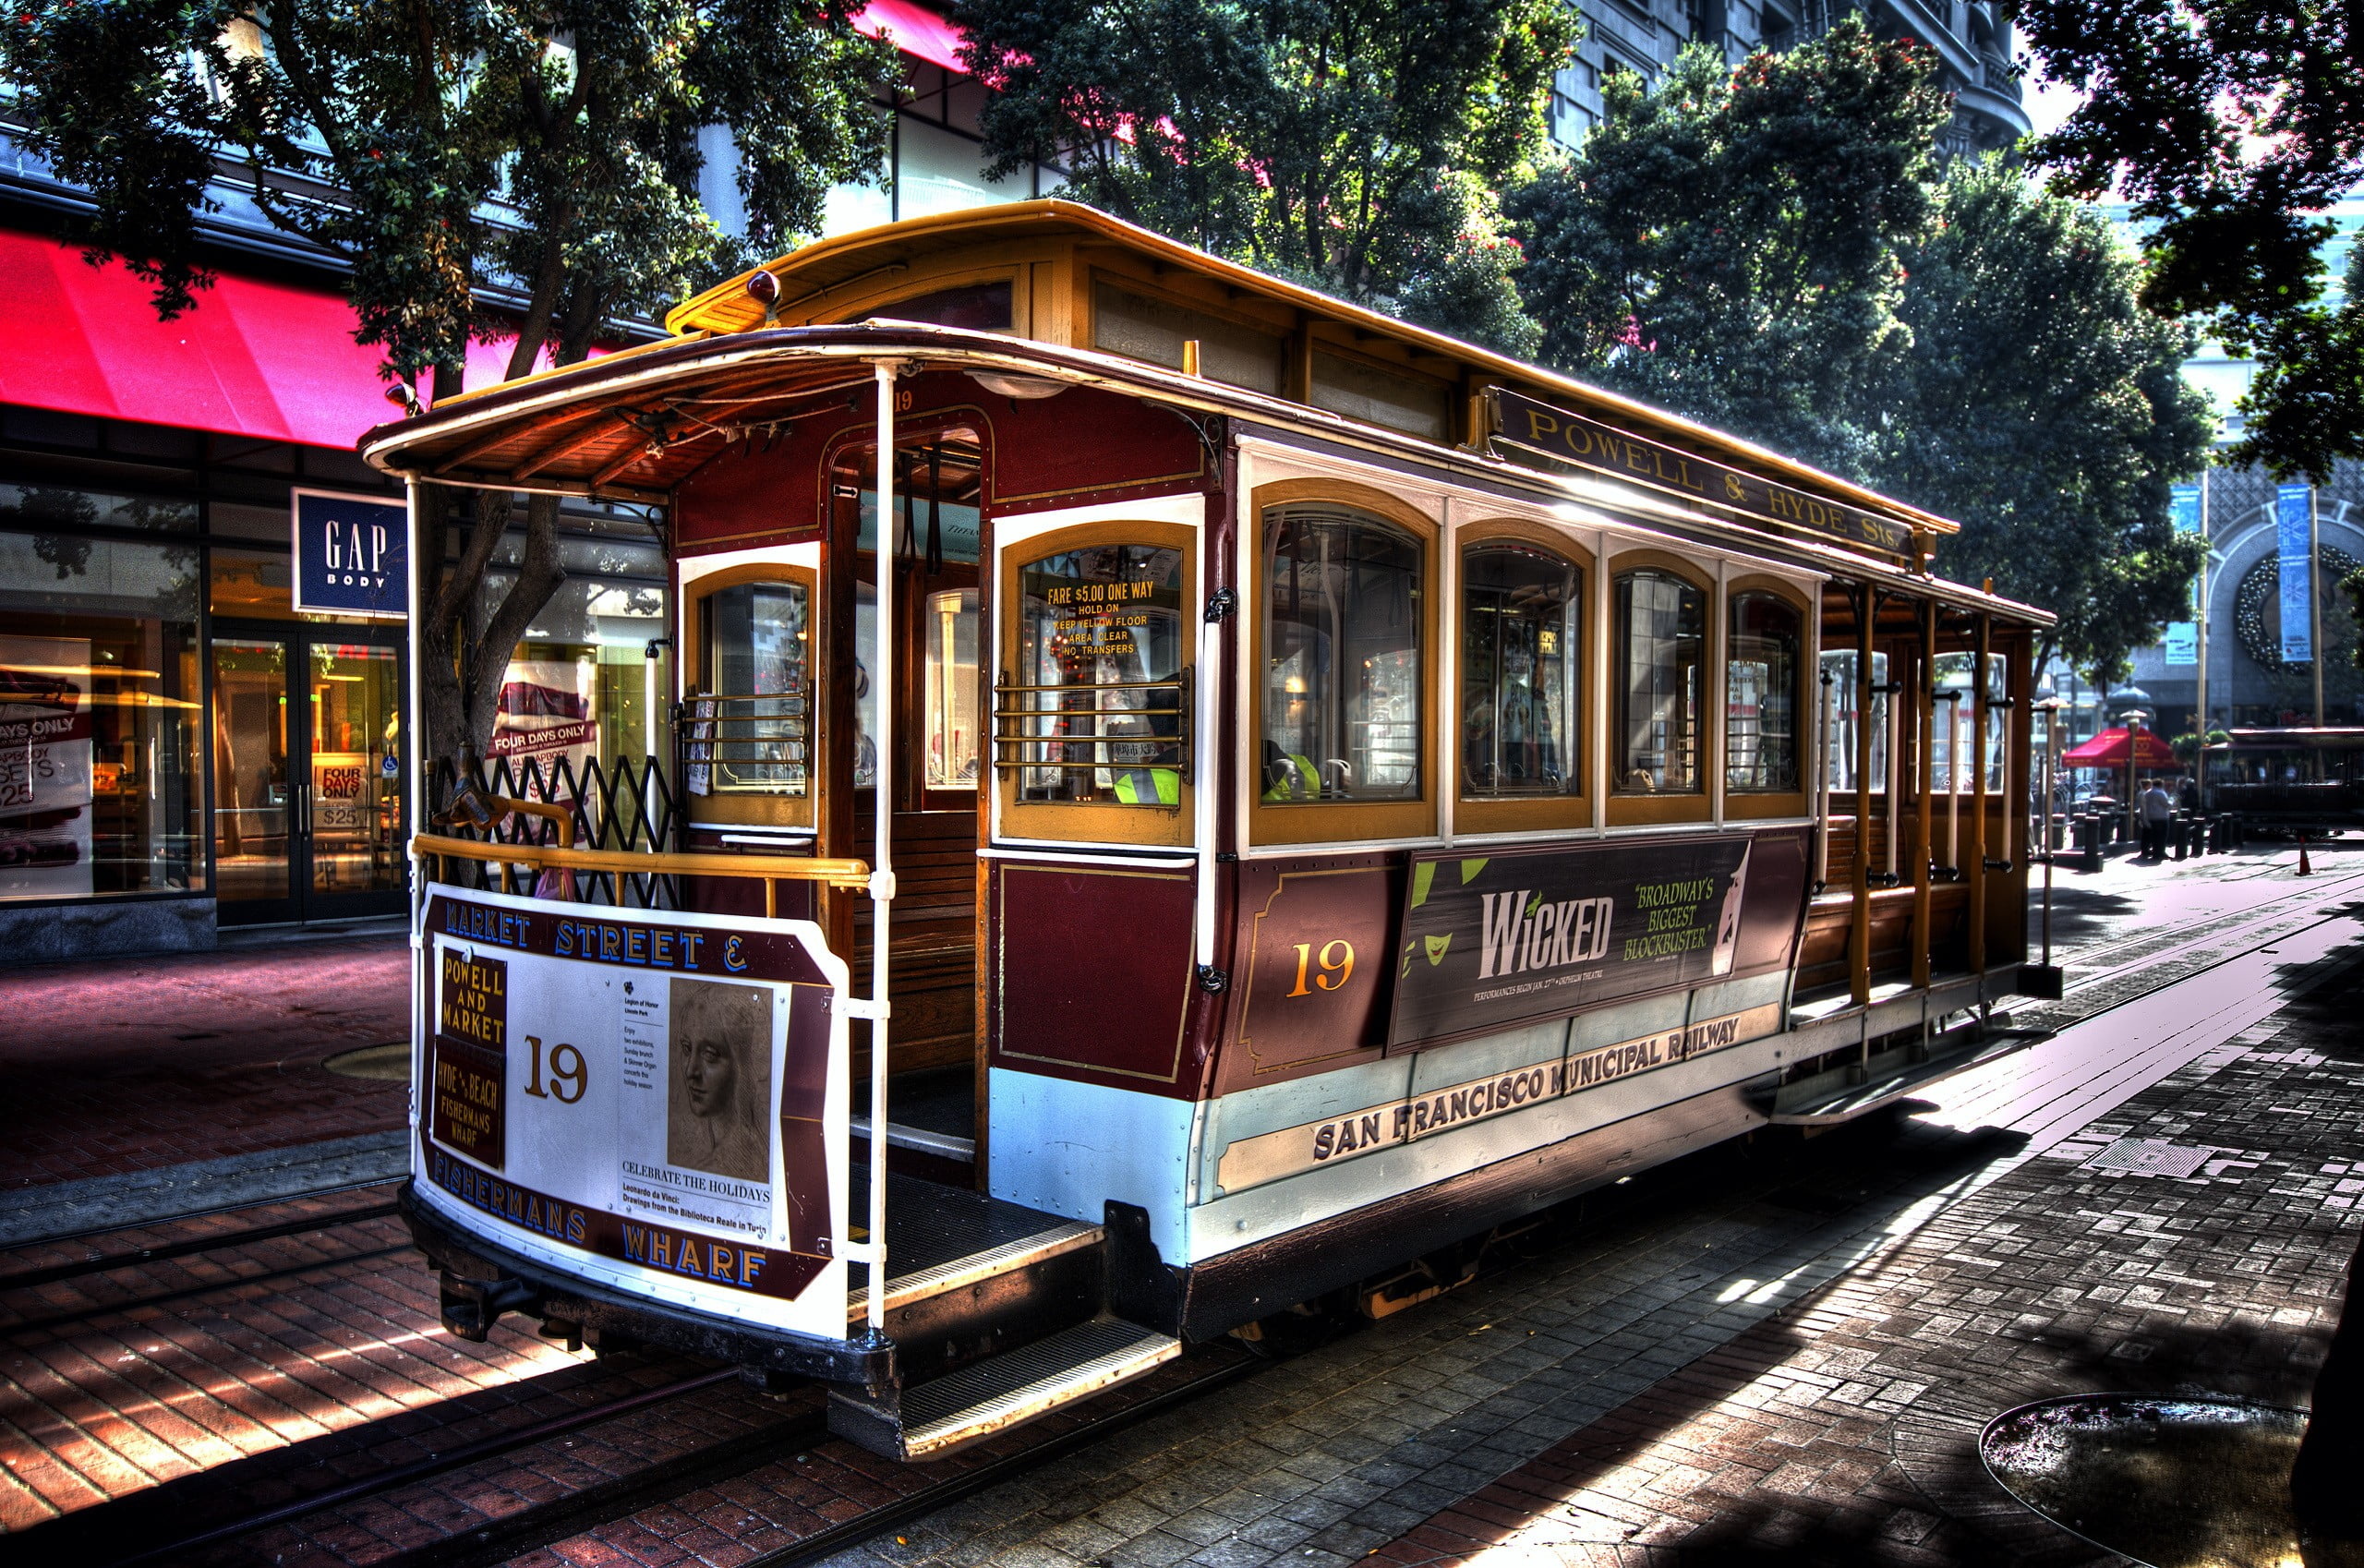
(1531,426)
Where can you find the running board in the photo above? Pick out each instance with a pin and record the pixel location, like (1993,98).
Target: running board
(938,1418)
(1845,1093)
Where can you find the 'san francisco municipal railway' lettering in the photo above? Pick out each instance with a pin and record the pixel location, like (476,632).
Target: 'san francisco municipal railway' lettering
(1316,1144)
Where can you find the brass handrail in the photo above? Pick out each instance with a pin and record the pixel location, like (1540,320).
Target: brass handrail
(767,868)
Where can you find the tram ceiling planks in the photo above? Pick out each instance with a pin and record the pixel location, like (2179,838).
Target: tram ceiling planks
(1531,427)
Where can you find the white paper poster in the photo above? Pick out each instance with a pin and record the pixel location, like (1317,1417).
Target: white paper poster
(661,1095)
(45,735)
(546,715)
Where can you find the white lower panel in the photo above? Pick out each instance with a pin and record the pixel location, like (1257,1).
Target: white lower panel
(1069,1148)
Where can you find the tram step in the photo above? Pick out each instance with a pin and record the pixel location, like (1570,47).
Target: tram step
(990,1396)
(1841,1094)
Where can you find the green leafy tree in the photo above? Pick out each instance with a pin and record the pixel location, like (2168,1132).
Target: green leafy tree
(2045,409)
(1346,144)
(543,151)
(2229,126)
(1729,245)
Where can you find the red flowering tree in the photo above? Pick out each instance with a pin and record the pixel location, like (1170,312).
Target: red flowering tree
(1351,144)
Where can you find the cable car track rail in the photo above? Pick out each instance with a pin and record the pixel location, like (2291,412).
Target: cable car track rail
(26,1279)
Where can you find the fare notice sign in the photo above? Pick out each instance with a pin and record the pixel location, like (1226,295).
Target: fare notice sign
(1524,426)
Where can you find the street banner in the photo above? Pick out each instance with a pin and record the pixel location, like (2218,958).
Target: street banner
(47,727)
(2294,547)
(2183,506)
(1491,942)
(352,555)
(657,1098)
(2183,643)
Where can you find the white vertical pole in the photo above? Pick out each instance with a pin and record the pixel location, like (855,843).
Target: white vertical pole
(2200,766)
(424,561)
(882,863)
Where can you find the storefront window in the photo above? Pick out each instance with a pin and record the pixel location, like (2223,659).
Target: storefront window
(580,687)
(1519,607)
(1761,694)
(100,701)
(1343,677)
(1100,657)
(1662,652)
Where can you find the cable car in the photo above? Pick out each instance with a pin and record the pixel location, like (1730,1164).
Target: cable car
(1197,799)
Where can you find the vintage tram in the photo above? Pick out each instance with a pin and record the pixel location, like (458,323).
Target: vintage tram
(1303,791)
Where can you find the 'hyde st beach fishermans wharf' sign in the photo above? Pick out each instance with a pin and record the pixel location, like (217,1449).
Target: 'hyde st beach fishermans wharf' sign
(1526,426)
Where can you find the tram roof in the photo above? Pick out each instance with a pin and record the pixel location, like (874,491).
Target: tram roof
(633,425)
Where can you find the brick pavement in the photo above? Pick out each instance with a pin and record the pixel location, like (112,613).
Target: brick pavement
(133,1064)
(1790,1360)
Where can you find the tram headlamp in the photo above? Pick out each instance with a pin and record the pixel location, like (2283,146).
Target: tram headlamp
(1025,388)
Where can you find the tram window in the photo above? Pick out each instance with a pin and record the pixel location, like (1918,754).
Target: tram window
(758,659)
(1139,328)
(1099,644)
(981,307)
(1662,649)
(1519,640)
(1844,720)
(1343,681)
(1761,694)
(951,678)
(1953,761)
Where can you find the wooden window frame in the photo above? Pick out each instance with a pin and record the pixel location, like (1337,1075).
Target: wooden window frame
(1751,805)
(1638,809)
(751,810)
(1152,826)
(1533,814)
(1353,822)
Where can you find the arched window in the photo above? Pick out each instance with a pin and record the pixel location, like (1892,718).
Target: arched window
(1761,657)
(1343,685)
(1661,678)
(1520,618)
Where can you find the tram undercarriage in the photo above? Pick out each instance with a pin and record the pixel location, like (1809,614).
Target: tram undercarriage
(1185,799)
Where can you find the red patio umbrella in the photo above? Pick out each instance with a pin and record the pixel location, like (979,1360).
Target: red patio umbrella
(2112,748)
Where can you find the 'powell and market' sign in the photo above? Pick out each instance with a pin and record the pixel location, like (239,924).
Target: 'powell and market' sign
(1531,426)
(352,555)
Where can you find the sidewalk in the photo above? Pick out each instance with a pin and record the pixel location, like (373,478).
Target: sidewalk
(125,1068)
(1790,1362)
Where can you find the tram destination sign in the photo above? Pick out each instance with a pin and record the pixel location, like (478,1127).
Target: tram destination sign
(1494,941)
(1526,426)
(656,1096)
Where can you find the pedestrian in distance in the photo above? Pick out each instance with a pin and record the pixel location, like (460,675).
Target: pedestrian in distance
(2158,811)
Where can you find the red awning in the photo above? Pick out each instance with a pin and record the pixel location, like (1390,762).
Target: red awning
(2108,749)
(254,358)
(914,30)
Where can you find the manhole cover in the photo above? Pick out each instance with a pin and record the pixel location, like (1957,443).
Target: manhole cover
(2171,1482)
(386,1064)
(2150,1156)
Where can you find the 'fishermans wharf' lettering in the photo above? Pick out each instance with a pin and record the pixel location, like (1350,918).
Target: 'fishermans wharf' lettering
(1526,426)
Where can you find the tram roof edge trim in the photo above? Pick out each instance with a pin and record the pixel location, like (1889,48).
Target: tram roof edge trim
(727,308)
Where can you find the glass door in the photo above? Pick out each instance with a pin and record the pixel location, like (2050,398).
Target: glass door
(306,776)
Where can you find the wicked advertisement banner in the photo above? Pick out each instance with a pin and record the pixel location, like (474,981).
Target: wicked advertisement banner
(663,1090)
(1494,941)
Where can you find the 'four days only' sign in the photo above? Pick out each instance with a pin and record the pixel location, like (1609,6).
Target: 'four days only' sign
(352,554)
